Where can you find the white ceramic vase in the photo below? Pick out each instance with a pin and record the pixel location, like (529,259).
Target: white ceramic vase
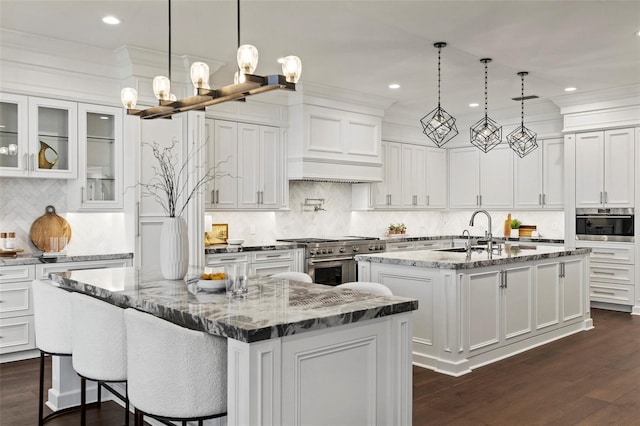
(515,233)
(174,248)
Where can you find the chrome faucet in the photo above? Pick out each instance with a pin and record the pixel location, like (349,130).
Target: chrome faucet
(489,234)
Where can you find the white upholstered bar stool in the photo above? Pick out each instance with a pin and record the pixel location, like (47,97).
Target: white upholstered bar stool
(367,287)
(52,322)
(293,276)
(98,337)
(175,374)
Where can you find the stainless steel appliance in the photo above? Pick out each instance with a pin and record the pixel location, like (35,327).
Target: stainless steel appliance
(615,224)
(331,261)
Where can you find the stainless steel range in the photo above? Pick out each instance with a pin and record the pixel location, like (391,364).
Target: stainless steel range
(331,261)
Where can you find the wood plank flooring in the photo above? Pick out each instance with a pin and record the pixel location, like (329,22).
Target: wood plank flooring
(591,378)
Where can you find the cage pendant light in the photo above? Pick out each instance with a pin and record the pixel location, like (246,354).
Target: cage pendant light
(439,125)
(522,140)
(486,133)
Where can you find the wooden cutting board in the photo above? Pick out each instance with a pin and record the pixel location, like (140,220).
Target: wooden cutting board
(46,226)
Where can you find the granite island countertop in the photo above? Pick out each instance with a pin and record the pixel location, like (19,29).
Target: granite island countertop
(272,307)
(461,260)
(38,258)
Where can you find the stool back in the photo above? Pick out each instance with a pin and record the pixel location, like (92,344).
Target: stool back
(52,317)
(367,287)
(173,371)
(99,339)
(293,276)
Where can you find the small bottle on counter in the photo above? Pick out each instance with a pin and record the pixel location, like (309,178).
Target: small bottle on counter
(3,240)
(10,241)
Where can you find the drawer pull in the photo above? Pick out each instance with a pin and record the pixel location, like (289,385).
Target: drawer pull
(604,273)
(231,259)
(604,252)
(274,255)
(610,293)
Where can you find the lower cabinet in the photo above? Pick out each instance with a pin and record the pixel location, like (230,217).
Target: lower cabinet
(417,245)
(261,263)
(17,335)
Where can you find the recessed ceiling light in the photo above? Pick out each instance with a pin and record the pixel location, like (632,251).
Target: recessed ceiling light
(474,105)
(111,20)
(394,86)
(638,33)
(570,89)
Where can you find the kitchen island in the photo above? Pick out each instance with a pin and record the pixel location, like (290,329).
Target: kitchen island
(476,309)
(297,353)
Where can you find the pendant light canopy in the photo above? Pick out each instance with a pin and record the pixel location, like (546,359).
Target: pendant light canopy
(486,133)
(439,125)
(522,140)
(245,83)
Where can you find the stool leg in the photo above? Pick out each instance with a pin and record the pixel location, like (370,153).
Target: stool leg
(40,408)
(83,401)
(138,419)
(126,403)
(99,394)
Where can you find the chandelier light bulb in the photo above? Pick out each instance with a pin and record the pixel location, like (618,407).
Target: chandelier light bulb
(129,97)
(161,87)
(200,75)
(292,68)
(13,149)
(247,58)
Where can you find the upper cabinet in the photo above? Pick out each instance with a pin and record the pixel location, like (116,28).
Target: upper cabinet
(40,136)
(100,160)
(249,166)
(605,169)
(539,177)
(334,144)
(478,179)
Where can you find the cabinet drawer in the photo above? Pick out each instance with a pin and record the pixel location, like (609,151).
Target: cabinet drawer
(221,259)
(271,256)
(610,252)
(43,271)
(400,246)
(16,334)
(15,299)
(270,268)
(611,293)
(17,273)
(611,273)
(432,245)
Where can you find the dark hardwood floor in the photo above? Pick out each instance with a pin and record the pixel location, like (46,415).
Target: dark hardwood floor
(591,378)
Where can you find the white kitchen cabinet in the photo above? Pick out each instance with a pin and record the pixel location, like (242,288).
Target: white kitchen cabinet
(539,177)
(264,262)
(478,179)
(605,169)
(417,245)
(260,166)
(436,178)
(388,193)
(48,148)
(249,164)
(99,186)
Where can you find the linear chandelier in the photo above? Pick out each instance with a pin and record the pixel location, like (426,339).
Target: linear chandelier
(486,133)
(439,125)
(522,140)
(245,83)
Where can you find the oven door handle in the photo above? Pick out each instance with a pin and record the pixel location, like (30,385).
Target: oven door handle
(335,259)
(605,217)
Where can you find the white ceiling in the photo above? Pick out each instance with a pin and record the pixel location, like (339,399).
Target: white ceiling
(363,46)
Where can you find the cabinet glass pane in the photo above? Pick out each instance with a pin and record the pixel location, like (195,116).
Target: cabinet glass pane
(8,135)
(100,157)
(53,135)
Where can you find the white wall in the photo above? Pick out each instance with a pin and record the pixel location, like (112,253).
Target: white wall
(339,220)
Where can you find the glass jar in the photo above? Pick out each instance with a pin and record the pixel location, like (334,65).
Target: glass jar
(3,240)
(10,242)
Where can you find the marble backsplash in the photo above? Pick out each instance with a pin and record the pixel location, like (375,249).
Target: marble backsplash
(338,220)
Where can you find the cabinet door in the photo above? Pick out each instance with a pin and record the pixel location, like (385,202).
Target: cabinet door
(271,166)
(573,287)
(224,157)
(496,178)
(379,191)
(14,140)
(547,298)
(553,173)
(393,175)
(619,157)
(464,170)
(53,138)
(99,185)
(518,296)
(248,165)
(589,169)
(413,169)
(484,309)
(528,180)
(436,178)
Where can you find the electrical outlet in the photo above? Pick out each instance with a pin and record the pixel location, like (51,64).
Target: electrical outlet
(554,226)
(253,230)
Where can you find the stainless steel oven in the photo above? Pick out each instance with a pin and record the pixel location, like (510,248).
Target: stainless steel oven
(605,224)
(331,261)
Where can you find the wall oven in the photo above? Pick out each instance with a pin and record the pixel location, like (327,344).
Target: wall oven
(330,261)
(605,224)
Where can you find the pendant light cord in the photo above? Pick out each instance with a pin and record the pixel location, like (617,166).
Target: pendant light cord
(486,116)
(169,40)
(238,23)
(439,51)
(522,100)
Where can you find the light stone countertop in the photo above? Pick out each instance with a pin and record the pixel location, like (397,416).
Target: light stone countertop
(461,260)
(270,309)
(63,257)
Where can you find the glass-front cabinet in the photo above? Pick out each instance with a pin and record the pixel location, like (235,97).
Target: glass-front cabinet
(99,185)
(38,137)
(13,135)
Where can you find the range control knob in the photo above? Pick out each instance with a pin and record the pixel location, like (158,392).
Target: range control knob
(356,249)
(342,249)
(330,251)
